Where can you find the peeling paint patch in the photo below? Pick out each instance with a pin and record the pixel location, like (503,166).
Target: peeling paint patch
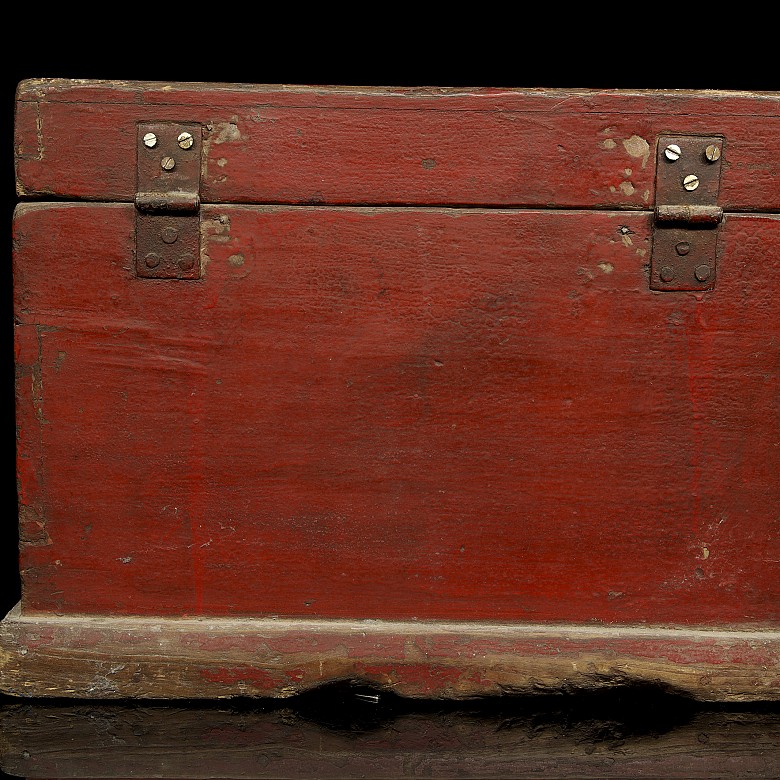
(222,162)
(236,260)
(607,268)
(607,144)
(641,252)
(627,188)
(646,196)
(428,164)
(59,360)
(215,230)
(626,239)
(225,132)
(636,146)
(32,527)
(585,274)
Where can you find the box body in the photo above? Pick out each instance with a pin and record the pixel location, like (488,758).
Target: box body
(417,375)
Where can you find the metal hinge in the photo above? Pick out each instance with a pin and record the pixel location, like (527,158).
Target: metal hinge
(687,217)
(167,201)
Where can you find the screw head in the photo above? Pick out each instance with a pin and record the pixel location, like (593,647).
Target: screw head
(672,152)
(702,272)
(168,163)
(169,235)
(667,273)
(683,248)
(185,140)
(691,182)
(152,260)
(150,140)
(186,262)
(712,153)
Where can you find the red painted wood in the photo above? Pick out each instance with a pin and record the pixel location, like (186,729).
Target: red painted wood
(559,148)
(394,413)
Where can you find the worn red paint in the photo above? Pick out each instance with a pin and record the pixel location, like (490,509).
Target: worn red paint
(407,410)
(394,408)
(504,147)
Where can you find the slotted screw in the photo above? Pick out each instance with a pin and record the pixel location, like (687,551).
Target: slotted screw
(168,163)
(712,153)
(691,182)
(150,140)
(672,152)
(185,140)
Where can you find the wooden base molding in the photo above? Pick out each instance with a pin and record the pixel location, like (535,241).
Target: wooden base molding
(208,658)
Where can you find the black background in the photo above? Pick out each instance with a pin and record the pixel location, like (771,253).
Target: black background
(661,48)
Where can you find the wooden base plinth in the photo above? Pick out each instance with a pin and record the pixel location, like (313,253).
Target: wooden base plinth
(89,656)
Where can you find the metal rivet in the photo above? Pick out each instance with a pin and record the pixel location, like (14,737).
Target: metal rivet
(185,140)
(712,153)
(683,248)
(667,273)
(152,260)
(672,152)
(186,262)
(150,140)
(702,272)
(168,163)
(691,182)
(169,235)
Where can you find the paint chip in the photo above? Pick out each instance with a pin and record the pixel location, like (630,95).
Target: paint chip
(607,144)
(636,146)
(225,132)
(236,260)
(607,268)
(627,188)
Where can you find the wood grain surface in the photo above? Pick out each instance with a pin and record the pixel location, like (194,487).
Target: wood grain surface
(99,657)
(517,741)
(370,413)
(557,148)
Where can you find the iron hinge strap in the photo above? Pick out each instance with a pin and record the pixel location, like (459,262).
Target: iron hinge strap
(687,217)
(167,200)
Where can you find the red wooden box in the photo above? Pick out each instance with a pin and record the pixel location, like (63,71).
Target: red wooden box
(450,391)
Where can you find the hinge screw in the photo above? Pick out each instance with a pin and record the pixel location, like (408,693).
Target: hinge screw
(168,163)
(712,153)
(691,182)
(672,152)
(169,235)
(150,140)
(702,272)
(667,273)
(152,260)
(683,248)
(186,262)
(185,140)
